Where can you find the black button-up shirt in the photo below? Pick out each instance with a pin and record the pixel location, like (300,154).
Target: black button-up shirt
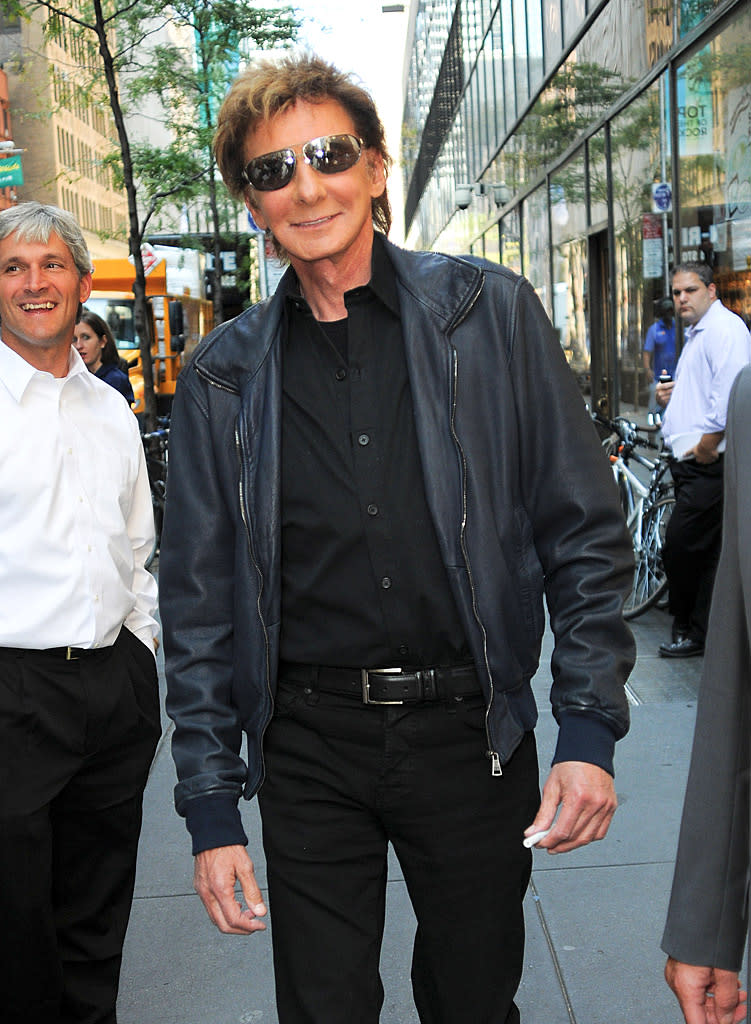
(363,583)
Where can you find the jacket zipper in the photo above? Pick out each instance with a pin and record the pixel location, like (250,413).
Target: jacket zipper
(495,761)
(243,513)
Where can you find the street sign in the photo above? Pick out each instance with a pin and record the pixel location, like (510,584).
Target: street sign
(662,197)
(11,172)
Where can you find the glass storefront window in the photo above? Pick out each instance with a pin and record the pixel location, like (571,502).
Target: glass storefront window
(498,70)
(573,15)
(491,244)
(520,51)
(642,218)
(509,61)
(534,39)
(691,12)
(616,46)
(598,180)
(536,244)
(714,160)
(551,19)
(593,78)
(511,254)
(568,219)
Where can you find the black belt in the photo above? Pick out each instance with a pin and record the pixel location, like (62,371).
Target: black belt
(67,653)
(387,685)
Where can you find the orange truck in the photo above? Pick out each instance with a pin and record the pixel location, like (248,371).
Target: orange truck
(178,324)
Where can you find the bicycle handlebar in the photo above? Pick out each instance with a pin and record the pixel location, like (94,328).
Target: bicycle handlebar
(161,434)
(628,432)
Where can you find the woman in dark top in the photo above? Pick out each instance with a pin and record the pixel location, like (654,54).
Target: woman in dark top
(97,348)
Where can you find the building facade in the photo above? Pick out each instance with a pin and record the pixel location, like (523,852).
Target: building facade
(590,146)
(65,136)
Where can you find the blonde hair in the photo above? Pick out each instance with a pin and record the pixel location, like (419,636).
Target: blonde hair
(269,87)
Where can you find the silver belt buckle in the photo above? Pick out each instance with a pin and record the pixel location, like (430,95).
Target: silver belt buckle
(365,674)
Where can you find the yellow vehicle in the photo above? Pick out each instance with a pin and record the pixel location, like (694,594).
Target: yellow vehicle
(178,322)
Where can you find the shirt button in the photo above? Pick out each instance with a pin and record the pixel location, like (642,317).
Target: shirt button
(403,648)
(341,374)
(363,439)
(372,510)
(386,582)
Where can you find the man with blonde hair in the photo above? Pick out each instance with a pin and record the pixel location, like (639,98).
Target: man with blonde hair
(374,478)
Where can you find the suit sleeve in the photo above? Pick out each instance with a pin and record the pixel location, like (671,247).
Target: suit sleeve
(708,914)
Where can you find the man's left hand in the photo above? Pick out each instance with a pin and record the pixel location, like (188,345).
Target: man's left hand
(587,800)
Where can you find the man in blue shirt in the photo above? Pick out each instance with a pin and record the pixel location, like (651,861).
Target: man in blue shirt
(659,348)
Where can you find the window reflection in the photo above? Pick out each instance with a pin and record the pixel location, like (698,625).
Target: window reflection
(568,218)
(535,253)
(714,120)
(639,141)
(511,254)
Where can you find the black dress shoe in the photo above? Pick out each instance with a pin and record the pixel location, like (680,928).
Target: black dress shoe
(681,647)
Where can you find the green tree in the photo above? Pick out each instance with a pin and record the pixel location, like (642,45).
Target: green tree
(112,41)
(191,86)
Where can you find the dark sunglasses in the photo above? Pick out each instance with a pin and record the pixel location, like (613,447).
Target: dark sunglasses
(329,154)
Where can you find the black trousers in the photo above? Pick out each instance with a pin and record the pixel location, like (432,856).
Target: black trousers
(344,779)
(692,543)
(76,743)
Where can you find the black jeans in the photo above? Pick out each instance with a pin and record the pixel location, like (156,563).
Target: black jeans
(344,779)
(77,742)
(692,543)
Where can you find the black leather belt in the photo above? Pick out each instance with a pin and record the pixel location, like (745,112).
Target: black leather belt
(387,685)
(67,653)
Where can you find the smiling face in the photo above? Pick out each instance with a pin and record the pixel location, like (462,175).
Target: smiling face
(40,293)
(89,346)
(317,217)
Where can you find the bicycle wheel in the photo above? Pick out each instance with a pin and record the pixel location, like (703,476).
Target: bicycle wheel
(650,580)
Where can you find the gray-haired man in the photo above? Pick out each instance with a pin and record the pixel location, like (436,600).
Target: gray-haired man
(79,712)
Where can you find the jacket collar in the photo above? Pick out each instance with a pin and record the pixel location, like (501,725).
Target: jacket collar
(445,286)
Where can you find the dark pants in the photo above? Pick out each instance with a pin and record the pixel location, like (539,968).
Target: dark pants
(692,544)
(344,779)
(76,742)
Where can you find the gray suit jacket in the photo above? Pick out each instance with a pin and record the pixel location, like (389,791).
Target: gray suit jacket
(708,915)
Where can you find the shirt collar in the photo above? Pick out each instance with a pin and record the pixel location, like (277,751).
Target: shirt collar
(701,324)
(16,373)
(382,283)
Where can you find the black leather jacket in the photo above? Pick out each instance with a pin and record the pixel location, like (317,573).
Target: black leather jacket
(520,493)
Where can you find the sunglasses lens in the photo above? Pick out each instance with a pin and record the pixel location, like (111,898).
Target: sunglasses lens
(329,154)
(333,153)
(271,171)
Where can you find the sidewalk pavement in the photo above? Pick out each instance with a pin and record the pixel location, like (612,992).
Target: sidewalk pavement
(594,916)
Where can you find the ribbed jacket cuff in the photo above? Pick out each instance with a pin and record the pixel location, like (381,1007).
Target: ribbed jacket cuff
(584,737)
(214,821)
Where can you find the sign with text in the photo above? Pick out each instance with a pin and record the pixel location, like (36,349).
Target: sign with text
(11,171)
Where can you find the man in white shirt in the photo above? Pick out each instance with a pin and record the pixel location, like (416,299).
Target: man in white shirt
(79,704)
(715,348)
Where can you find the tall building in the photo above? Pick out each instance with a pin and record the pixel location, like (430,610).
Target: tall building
(64,137)
(590,146)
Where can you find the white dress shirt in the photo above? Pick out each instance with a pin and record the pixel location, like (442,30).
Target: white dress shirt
(76,521)
(714,351)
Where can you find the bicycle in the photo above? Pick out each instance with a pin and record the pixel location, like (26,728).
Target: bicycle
(156,450)
(646,507)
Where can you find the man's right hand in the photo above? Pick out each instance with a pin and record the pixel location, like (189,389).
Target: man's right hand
(663,392)
(215,873)
(707,995)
